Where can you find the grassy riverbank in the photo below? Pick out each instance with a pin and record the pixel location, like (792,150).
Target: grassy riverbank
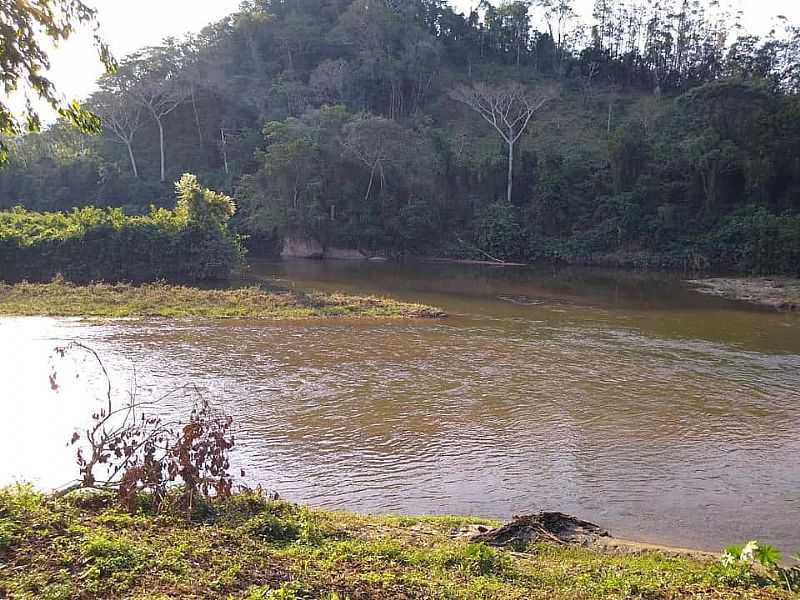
(248,548)
(61,299)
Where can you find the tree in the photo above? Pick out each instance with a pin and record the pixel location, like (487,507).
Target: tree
(25,28)
(120,117)
(508,108)
(375,142)
(153,78)
(557,15)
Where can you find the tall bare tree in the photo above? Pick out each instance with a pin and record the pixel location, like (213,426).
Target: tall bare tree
(508,108)
(153,77)
(121,118)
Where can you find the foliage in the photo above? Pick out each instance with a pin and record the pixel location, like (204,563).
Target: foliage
(339,123)
(190,243)
(755,240)
(60,298)
(768,557)
(498,231)
(25,29)
(112,563)
(61,549)
(130,449)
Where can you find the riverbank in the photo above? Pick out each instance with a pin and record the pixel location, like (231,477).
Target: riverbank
(62,299)
(780,293)
(249,548)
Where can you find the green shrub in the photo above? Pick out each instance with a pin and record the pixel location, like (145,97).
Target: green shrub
(112,563)
(274,528)
(757,241)
(190,243)
(282,522)
(498,231)
(476,559)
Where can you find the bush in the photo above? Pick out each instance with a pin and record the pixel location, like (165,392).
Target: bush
(281,522)
(498,231)
(757,241)
(190,243)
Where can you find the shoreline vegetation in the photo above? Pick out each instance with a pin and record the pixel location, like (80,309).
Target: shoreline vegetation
(64,299)
(249,547)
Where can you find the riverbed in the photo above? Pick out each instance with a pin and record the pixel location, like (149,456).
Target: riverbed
(625,398)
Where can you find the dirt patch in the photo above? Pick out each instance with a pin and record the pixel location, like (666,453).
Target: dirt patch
(780,293)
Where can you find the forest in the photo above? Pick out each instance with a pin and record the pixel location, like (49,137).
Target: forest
(655,135)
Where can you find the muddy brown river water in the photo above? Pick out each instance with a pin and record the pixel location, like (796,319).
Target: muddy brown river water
(624,398)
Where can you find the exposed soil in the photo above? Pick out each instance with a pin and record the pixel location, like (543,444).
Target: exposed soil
(780,293)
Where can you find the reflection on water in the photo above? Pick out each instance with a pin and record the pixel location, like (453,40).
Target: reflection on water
(626,399)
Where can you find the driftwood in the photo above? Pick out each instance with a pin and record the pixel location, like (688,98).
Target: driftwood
(545,526)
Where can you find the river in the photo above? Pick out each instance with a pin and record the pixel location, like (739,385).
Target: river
(624,398)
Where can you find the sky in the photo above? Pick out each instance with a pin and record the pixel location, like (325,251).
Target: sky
(127,26)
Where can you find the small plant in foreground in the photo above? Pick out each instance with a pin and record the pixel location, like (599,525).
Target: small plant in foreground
(477,559)
(142,452)
(111,562)
(768,557)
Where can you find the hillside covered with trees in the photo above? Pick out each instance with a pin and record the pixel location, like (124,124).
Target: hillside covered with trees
(656,135)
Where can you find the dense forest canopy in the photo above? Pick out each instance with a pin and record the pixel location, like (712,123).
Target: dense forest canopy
(657,132)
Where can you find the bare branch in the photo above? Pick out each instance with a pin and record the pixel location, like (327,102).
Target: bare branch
(508,108)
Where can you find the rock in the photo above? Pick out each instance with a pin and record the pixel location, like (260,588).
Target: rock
(469,531)
(544,526)
(344,254)
(302,248)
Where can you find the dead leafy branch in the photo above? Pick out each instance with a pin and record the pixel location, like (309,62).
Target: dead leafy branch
(131,448)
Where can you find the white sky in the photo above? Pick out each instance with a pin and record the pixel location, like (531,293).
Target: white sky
(127,26)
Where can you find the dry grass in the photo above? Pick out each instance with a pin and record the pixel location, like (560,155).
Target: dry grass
(61,299)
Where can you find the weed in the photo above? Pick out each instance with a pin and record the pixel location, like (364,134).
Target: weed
(112,563)
(475,559)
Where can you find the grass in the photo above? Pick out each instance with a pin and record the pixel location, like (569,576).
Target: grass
(248,548)
(61,299)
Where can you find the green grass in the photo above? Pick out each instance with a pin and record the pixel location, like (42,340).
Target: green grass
(61,299)
(251,548)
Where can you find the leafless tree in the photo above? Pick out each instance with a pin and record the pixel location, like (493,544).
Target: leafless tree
(121,118)
(508,108)
(153,79)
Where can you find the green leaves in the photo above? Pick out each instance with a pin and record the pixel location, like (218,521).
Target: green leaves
(190,243)
(754,552)
(25,29)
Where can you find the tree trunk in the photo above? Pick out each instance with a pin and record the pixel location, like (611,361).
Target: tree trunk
(197,118)
(161,144)
(133,159)
(510,170)
(371,180)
